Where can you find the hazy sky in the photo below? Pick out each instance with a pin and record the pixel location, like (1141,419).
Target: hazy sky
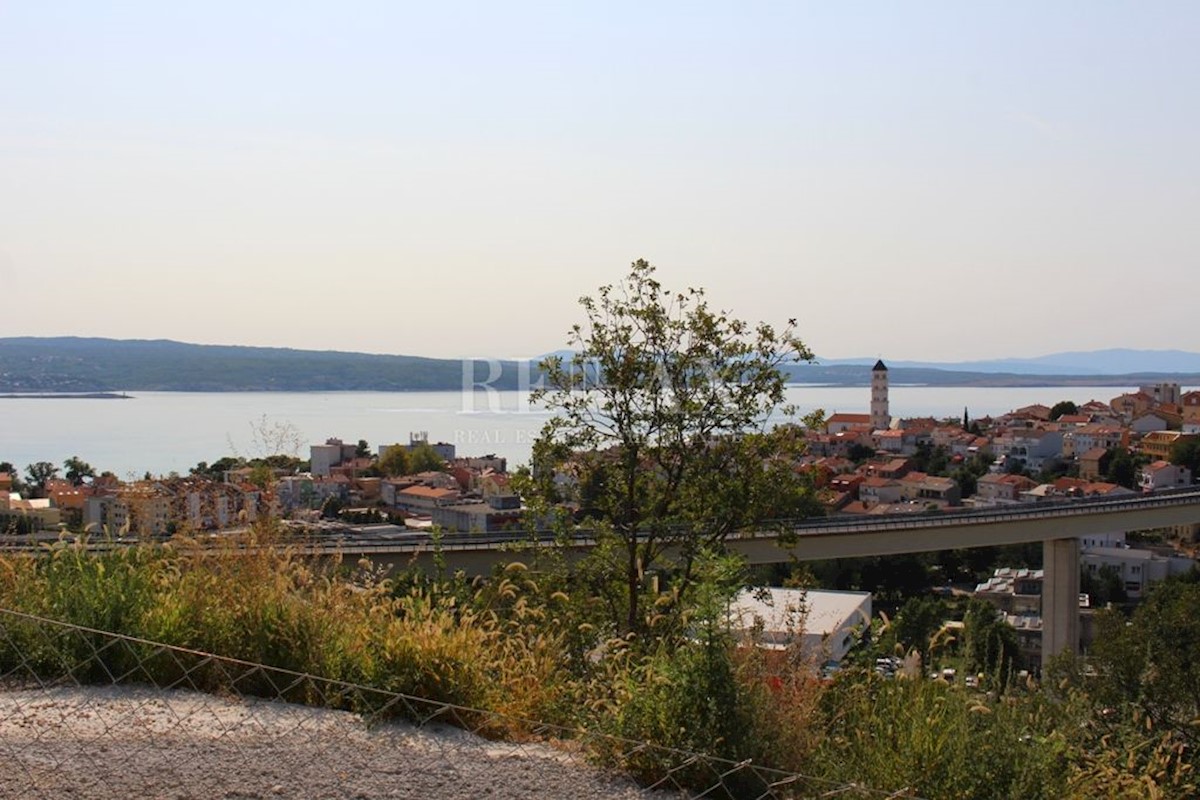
(912,180)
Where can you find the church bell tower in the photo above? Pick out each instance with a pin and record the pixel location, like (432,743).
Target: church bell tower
(880,419)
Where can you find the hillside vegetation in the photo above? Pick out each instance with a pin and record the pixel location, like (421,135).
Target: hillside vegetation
(529,643)
(69,364)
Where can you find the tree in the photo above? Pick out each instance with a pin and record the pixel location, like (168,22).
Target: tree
(362,449)
(1118,466)
(1186,453)
(39,473)
(423,458)
(1063,407)
(860,452)
(1152,661)
(75,469)
(663,411)
(990,642)
(7,467)
(395,461)
(1103,587)
(917,622)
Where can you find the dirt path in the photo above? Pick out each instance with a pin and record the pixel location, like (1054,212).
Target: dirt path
(130,743)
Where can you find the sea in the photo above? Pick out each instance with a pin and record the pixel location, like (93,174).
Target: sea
(164,432)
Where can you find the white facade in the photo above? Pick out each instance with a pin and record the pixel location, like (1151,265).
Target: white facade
(1137,568)
(1164,392)
(323,457)
(825,622)
(1163,475)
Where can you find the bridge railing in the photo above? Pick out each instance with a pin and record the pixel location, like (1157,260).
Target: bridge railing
(808,526)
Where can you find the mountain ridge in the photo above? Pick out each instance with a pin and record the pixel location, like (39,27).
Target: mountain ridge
(1109,361)
(30,364)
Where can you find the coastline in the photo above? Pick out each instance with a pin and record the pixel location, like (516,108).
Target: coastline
(68,396)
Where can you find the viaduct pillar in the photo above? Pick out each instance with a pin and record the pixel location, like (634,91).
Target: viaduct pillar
(1060,598)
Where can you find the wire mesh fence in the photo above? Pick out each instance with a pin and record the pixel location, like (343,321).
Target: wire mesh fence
(92,714)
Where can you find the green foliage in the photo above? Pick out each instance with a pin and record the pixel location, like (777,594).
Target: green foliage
(660,412)
(859,453)
(931,460)
(76,469)
(931,740)
(1153,664)
(6,467)
(1186,453)
(1063,407)
(264,605)
(423,458)
(523,643)
(40,472)
(1103,587)
(216,471)
(395,461)
(916,624)
(990,643)
(1119,466)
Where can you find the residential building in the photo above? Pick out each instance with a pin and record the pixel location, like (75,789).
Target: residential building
(140,509)
(34,515)
(1190,403)
(1129,405)
(825,624)
(879,490)
(917,486)
(1035,448)
(1036,411)
(423,499)
(884,467)
(1166,393)
(1137,568)
(1013,591)
(1094,435)
(841,423)
(995,489)
(1102,540)
(479,517)
(323,457)
(1157,444)
(1017,595)
(1090,463)
(1163,475)
(1159,418)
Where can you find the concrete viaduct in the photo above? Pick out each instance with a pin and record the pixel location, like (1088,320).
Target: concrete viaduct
(1058,525)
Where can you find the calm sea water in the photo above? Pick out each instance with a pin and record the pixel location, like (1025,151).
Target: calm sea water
(162,432)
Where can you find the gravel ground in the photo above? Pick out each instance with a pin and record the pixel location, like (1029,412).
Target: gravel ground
(130,743)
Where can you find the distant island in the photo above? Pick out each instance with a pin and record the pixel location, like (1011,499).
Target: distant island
(105,368)
(66,396)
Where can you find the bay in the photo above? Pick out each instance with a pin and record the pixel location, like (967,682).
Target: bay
(163,432)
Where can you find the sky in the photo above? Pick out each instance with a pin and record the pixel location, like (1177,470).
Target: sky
(924,180)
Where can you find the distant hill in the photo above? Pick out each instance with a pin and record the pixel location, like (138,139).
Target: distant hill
(860,375)
(70,364)
(1081,363)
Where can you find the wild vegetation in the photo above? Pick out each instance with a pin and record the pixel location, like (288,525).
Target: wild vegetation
(525,642)
(663,448)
